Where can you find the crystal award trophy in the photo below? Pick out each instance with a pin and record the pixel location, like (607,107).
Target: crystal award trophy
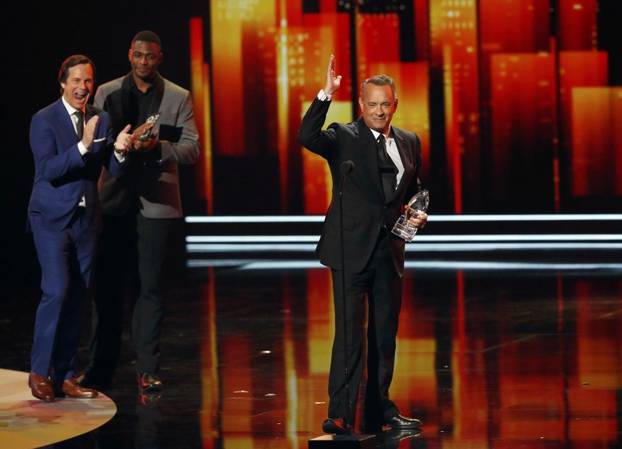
(145,131)
(419,202)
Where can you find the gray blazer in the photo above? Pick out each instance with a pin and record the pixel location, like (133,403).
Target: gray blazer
(151,182)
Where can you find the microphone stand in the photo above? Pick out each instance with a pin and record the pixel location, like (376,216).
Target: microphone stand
(345,168)
(350,440)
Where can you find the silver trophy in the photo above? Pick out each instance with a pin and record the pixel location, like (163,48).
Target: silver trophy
(151,120)
(419,202)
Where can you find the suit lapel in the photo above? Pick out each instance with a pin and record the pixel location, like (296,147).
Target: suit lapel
(65,125)
(159,94)
(125,98)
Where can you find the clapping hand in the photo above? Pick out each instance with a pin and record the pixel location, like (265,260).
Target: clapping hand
(89,131)
(123,144)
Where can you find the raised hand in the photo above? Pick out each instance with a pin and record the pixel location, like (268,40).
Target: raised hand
(332,81)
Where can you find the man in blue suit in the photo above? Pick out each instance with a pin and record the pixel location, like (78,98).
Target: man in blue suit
(70,142)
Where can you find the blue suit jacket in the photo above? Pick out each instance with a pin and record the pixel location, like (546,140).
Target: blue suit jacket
(62,174)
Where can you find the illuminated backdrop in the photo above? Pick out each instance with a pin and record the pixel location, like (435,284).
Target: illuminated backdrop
(511,99)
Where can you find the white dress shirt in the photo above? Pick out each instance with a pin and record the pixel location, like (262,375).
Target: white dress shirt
(81,147)
(393,153)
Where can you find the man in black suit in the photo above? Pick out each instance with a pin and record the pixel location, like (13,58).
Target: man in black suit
(383,163)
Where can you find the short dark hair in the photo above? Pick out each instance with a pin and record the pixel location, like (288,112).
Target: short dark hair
(68,63)
(380,80)
(147,36)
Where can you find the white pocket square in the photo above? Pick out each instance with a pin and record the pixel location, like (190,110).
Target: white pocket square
(99,140)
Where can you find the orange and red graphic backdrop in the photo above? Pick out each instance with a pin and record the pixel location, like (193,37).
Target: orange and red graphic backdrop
(512,99)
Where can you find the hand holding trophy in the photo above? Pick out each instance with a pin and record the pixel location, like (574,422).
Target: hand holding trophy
(402,228)
(144,138)
(144,131)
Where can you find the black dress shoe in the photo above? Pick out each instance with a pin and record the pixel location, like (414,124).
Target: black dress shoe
(403,422)
(402,434)
(148,398)
(149,383)
(336,426)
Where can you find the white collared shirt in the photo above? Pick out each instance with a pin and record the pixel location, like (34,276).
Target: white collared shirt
(393,153)
(74,121)
(81,148)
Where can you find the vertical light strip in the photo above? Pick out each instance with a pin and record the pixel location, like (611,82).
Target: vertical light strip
(207,142)
(201,99)
(291,375)
(210,386)
(451,130)
(282,89)
(460,375)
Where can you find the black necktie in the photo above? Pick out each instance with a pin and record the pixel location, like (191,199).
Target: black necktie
(387,168)
(79,124)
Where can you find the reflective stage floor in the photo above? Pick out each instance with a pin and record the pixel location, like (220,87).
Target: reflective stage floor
(501,359)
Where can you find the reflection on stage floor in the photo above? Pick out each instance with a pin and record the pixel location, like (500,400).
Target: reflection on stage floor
(487,359)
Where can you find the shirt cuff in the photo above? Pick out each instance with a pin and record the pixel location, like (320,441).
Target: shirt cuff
(82,148)
(322,96)
(120,156)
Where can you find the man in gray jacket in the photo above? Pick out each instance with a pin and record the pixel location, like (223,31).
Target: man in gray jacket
(140,209)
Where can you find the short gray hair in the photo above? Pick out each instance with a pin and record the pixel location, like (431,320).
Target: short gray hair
(380,80)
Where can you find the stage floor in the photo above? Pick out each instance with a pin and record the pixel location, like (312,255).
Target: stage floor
(486,358)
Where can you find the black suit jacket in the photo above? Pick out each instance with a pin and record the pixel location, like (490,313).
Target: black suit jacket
(365,209)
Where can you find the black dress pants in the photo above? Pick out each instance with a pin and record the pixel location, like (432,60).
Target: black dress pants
(379,288)
(132,254)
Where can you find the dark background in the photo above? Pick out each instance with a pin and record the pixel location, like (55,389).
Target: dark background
(37,38)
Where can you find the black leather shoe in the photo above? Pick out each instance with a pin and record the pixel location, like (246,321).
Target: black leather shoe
(149,383)
(148,398)
(403,422)
(336,426)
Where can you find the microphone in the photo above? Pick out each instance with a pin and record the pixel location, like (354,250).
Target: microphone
(346,167)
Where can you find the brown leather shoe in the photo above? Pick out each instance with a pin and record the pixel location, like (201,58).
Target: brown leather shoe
(41,387)
(72,389)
